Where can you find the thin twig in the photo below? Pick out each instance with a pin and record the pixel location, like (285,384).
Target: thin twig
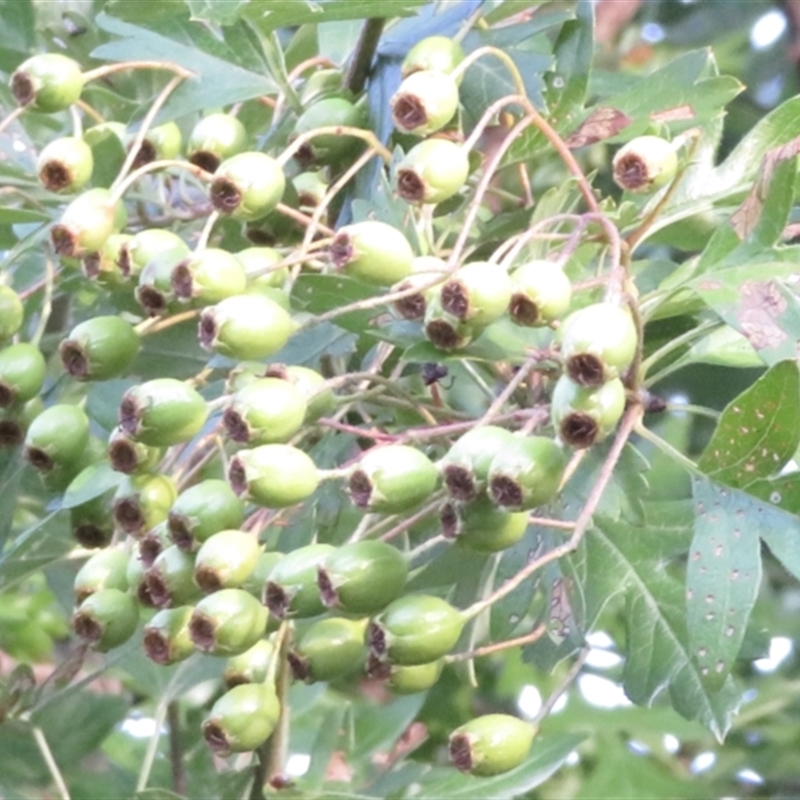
(52,767)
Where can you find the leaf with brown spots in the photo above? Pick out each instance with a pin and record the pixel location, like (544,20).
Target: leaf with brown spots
(602,123)
(758,432)
(722,577)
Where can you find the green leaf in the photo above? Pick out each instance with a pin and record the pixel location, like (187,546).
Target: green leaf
(215,12)
(44,542)
(574,50)
(271,16)
(758,432)
(722,578)
(158,794)
(94,480)
(318,294)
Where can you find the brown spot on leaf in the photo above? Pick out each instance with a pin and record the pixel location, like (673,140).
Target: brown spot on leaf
(674,114)
(762,303)
(602,123)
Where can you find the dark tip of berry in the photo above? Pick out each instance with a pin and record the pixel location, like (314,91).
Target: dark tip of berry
(341,250)
(128,515)
(207,328)
(276,600)
(122,456)
(260,237)
(87,628)
(327,591)
(461,752)
(216,738)
(55,176)
(182,280)
(460,483)
(523,310)
(7,395)
(157,589)
(301,671)
(307,199)
(90,535)
(225,195)
(129,415)
(149,549)
(144,596)
(205,160)
(82,594)
(376,640)
(74,359)
(11,433)
(202,631)
(22,88)
(579,430)
(443,335)
(454,299)
(64,240)
(152,300)
(277,371)
(179,531)
(360,488)
(505,491)
(235,425)
(237,477)
(39,459)
(124,262)
(207,579)
(631,172)
(409,112)
(91,265)
(144,155)
(410,186)
(305,156)
(377,668)
(411,307)
(156,647)
(448,516)
(586,369)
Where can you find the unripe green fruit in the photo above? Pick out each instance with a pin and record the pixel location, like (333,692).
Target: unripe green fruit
(61,476)
(162,412)
(328,148)
(434,53)
(585,415)
(146,245)
(311,188)
(57,437)
(266,411)
(260,267)
(154,543)
(445,330)
(415,629)
(247,326)
(225,560)
(106,619)
(466,465)
(106,569)
(312,386)
(203,510)
(154,291)
(129,456)
(22,373)
(392,479)
(527,473)
(166,637)
(404,679)
(99,348)
(247,186)
(209,275)
(15,421)
(478,293)
(598,343)
(329,649)
(170,580)
(322,83)
(491,744)
(273,475)
(362,577)
(432,171)
(99,133)
(252,666)
(47,82)
(227,622)
(291,590)
(541,293)
(425,102)
(65,165)
(162,142)
(142,501)
(372,251)
(424,271)
(136,575)
(86,224)
(12,312)
(645,164)
(242,719)
(103,265)
(257,582)
(92,522)
(215,138)
(482,526)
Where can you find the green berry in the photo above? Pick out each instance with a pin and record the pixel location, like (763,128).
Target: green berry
(425,102)
(260,267)
(106,569)
(215,138)
(311,188)
(265,411)
(129,456)
(434,53)
(86,224)
(99,348)
(527,473)
(482,526)
(410,679)
(252,666)
(22,373)
(153,543)
(12,312)
(103,265)
(225,560)
(273,475)
(320,400)
(142,501)
(322,83)
(415,629)
(466,465)
(328,148)
(208,275)
(154,291)
(16,419)
(645,164)
(445,330)
(57,438)
(362,577)
(47,82)
(162,412)
(598,343)
(106,619)
(541,293)
(478,293)
(491,744)
(170,579)
(392,479)
(329,649)
(257,582)
(432,171)
(92,522)
(247,186)
(247,326)
(291,590)
(65,165)
(166,637)
(162,142)
(203,510)
(425,269)
(584,415)
(372,251)
(227,622)
(146,245)
(242,719)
